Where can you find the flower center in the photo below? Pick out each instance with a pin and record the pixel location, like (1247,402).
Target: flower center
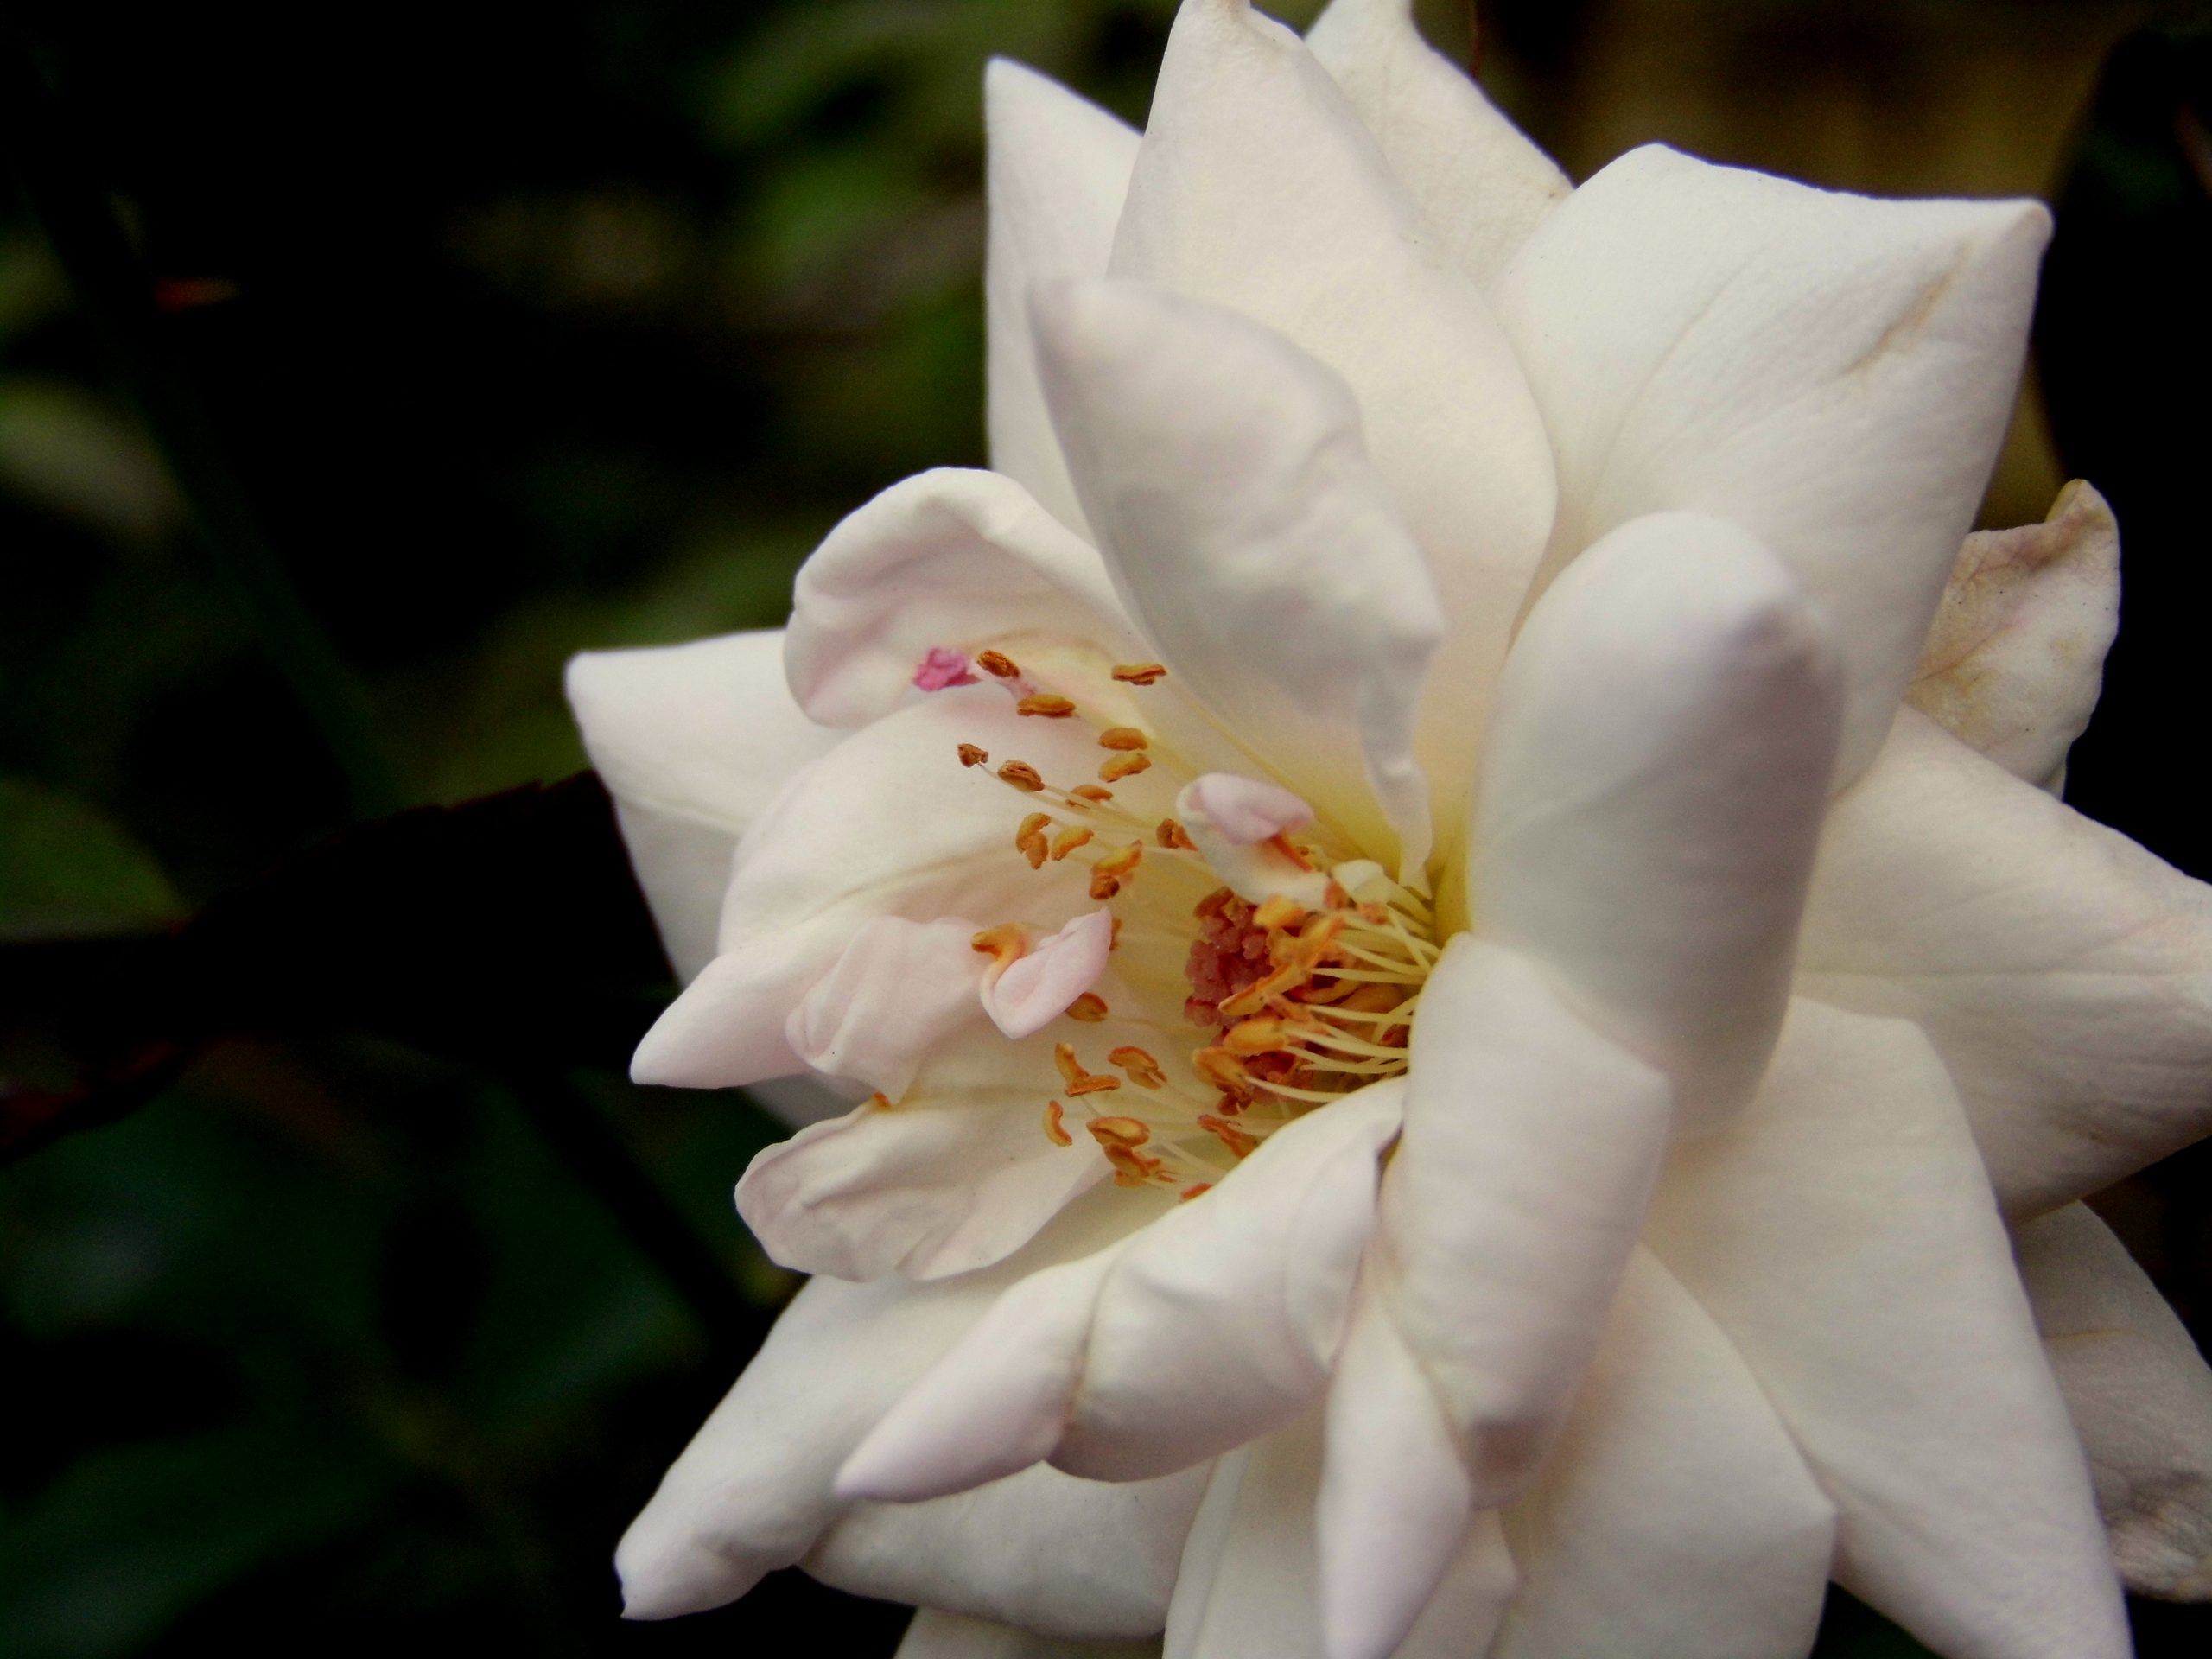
(1294,1003)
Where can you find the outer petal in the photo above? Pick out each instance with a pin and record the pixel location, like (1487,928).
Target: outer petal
(952,1635)
(1530,1147)
(946,557)
(1258,188)
(1832,373)
(1653,791)
(1214,1325)
(900,990)
(2016,657)
(1251,537)
(1058,172)
(2139,1394)
(1481,184)
(1843,1235)
(1246,1590)
(693,741)
(890,824)
(1676,1517)
(2064,973)
(1041,1550)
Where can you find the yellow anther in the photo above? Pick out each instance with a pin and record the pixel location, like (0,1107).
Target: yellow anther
(1200,1190)
(1022,776)
(1029,840)
(1122,1131)
(1090,1007)
(1103,887)
(1222,1069)
(1122,737)
(1090,794)
(1240,1144)
(1259,1037)
(1003,943)
(1136,673)
(972,756)
(1291,850)
(1122,862)
(1277,911)
(1080,1082)
(1173,834)
(1143,1070)
(1055,1129)
(1124,766)
(1045,705)
(1067,841)
(999,664)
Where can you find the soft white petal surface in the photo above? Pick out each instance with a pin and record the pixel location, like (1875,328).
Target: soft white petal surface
(1257,188)
(1040,1550)
(1213,1325)
(2016,657)
(953,1635)
(1058,174)
(900,990)
(1481,184)
(1842,1234)
(829,858)
(1832,373)
(946,558)
(1652,792)
(1530,1146)
(2064,973)
(2139,1394)
(1251,537)
(1246,1590)
(693,741)
(1676,1517)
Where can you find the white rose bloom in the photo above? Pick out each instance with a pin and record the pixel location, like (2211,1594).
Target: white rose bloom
(1445,1052)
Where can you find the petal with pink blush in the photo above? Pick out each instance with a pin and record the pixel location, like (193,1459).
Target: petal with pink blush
(899,988)
(1035,988)
(1235,821)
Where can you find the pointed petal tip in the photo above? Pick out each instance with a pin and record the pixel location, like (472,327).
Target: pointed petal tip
(665,1572)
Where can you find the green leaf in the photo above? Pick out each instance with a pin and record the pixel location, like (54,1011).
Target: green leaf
(66,872)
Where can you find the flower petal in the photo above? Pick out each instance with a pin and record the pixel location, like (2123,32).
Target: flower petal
(2016,657)
(889,824)
(1037,987)
(1530,1146)
(1652,794)
(752,1492)
(934,1635)
(2064,973)
(693,741)
(1481,184)
(1251,538)
(1842,1234)
(1040,1549)
(899,988)
(1213,1325)
(1831,373)
(1246,1590)
(945,558)
(1058,172)
(2139,1394)
(1257,188)
(1676,1517)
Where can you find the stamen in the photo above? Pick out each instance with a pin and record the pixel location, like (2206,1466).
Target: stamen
(1029,840)
(1240,1144)
(1199,1191)
(1103,887)
(1123,862)
(1092,794)
(972,756)
(1090,1007)
(1143,1070)
(1055,1125)
(1124,766)
(998,663)
(1137,673)
(1023,776)
(1278,913)
(1079,1080)
(1003,943)
(1067,841)
(1122,737)
(1047,705)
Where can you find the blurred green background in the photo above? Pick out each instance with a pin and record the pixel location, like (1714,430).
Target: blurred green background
(484,336)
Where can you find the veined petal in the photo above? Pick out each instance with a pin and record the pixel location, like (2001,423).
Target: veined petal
(2064,973)
(1530,1146)
(752,1492)
(2016,657)
(1481,184)
(1213,1325)
(889,824)
(2139,1394)
(1652,794)
(1258,188)
(1251,539)
(1842,1234)
(1073,1559)
(1058,174)
(693,741)
(934,1635)
(1831,373)
(1247,1586)
(1676,1517)
(945,558)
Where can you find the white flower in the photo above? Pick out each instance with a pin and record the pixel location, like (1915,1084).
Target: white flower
(1438,1025)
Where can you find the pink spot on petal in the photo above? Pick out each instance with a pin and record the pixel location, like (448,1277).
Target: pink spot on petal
(945,667)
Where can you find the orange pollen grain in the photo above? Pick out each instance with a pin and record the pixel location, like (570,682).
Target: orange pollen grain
(1124,766)
(972,756)
(1143,1070)
(1067,841)
(1090,1007)
(1137,673)
(1022,776)
(1122,737)
(1055,1129)
(997,662)
(1047,705)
